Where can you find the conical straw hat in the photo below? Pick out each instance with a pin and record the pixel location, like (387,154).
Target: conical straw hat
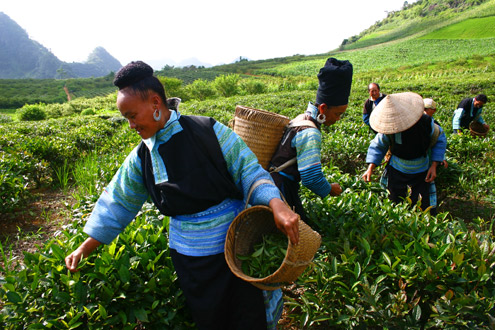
(397,112)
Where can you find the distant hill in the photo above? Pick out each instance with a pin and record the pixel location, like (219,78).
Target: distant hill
(21,57)
(421,18)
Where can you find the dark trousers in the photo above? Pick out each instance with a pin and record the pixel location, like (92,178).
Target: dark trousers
(398,183)
(290,190)
(218,299)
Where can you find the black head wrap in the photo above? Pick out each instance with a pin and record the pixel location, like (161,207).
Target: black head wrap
(132,73)
(335,83)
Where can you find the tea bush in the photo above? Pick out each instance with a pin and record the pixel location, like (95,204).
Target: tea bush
(32,112)
(382,265)
(130,284)
(5,119)
(88,112)
(31,153)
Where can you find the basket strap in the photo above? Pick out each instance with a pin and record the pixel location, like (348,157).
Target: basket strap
(283,166)
(299,123)
(297,263)
(255,185)
(294,123)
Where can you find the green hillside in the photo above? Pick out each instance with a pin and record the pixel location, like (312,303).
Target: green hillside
(420,18)
(474,28)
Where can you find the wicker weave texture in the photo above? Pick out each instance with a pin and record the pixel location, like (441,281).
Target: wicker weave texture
(246,231)
(477,129)
(261,130)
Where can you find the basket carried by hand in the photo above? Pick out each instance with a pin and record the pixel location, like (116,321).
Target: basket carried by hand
(261,130)
(477,129)
(246,231)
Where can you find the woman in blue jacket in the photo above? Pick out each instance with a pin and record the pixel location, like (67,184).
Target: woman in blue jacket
(407,131)
(198,172)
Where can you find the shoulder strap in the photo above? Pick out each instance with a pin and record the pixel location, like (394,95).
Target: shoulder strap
(283,166)
(294,123)
(255,185)
(304,122)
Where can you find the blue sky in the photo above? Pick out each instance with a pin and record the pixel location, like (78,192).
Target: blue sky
(176,32)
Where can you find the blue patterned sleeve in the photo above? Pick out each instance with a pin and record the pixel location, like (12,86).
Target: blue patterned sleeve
(308,146)
(438,149)
(119,203)
(456,119)
(377,149)
(244,167)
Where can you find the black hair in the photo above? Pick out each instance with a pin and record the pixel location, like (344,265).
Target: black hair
(139,77)
(373,83)
(481,98)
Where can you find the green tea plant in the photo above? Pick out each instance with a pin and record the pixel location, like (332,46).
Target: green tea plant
(130,284)
(32,112)
(37,154)
(384,265)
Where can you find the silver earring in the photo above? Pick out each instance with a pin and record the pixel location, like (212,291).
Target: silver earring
(321,118)
(156,116)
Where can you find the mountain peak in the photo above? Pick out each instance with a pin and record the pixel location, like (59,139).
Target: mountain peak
(21,57)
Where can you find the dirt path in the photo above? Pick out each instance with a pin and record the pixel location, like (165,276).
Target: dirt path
(28,227)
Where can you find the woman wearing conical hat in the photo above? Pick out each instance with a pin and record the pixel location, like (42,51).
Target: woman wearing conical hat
(410,134)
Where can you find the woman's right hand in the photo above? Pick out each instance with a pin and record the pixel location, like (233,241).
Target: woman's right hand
(72,260)
(84,250)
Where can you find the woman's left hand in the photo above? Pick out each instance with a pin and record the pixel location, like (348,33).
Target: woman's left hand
(285,219)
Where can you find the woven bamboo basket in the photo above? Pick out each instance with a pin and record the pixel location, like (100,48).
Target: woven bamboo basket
(261,130)
(477,129)
(247,230)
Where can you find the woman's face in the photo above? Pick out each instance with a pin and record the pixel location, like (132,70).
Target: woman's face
(430,112)
(374,91)
(138,112)
(333,113)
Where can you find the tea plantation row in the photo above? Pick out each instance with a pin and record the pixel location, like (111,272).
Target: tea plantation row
(380,265)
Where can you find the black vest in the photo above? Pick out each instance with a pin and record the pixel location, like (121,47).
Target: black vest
(286,152)
(198,177)
(415,140)
(466,117)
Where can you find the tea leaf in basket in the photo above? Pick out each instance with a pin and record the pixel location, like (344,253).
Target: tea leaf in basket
(267,257)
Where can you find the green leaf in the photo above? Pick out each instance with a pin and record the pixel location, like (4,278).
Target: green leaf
(124,274)
(443,250)
(366,246)
(458,258)
(103,311)
(257,253)
(357,270)
(334,265)
(14,297)
(385,268)
(387,259)
(57,251)
(141,315)
(416,312)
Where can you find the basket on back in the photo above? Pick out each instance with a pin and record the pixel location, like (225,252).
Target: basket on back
(261,130)
(247,230)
